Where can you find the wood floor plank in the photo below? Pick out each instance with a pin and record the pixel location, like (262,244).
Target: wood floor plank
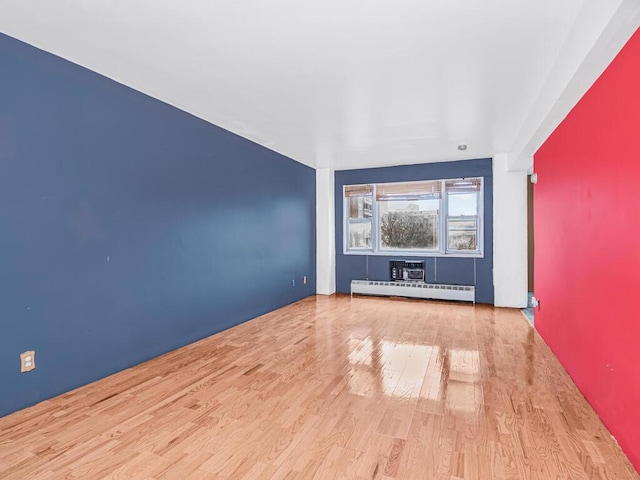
(328,388)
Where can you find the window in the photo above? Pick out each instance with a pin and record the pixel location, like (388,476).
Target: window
(462,214)
(436,217)
(409,215)
(359,225)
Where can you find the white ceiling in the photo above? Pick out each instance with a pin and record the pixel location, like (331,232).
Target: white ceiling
(337,83)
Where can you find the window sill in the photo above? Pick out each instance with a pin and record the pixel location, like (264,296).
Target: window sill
(415,254)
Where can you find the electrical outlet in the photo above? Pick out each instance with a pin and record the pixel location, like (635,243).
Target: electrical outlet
(304,279)
(293,282)
(27,361)
(535,303)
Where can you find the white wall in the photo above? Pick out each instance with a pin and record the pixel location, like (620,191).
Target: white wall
(509,234)
(325,232)
(598,34)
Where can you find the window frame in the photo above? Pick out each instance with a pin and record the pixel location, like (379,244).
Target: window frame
(347,220)
(479,252)
(442,249)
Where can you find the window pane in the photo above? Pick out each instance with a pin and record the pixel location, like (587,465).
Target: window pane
(463,204)
(462,224)
(360,235)
(410,224)
(360,207)
(462,235)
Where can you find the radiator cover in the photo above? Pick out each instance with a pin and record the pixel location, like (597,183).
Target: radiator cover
(433,291)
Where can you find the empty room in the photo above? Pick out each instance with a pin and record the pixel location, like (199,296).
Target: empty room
(319,240)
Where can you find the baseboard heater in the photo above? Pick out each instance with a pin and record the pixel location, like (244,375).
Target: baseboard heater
(431,291)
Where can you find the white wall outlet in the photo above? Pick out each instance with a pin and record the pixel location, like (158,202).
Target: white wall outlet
(304,279)
(27,361)
(293,282)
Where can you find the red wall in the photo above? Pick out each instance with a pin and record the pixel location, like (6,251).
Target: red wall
(587,246)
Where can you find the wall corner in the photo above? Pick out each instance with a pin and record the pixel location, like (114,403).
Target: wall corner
(325,232)
(509,234)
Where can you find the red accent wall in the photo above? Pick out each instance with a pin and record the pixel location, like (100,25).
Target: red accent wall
(587,246)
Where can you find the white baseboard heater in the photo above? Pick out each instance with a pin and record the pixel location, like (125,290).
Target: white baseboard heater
(432,291)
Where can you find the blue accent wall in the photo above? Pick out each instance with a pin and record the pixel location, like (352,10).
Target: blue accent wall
(449,270)
(129,228)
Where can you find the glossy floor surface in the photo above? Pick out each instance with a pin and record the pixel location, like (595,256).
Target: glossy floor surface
(328,388)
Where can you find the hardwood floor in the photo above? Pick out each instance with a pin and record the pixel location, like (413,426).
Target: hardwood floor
(328,388)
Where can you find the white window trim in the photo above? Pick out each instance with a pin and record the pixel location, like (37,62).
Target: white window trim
(443,236)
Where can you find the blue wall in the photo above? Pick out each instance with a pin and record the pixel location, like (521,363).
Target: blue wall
(450,270)
(129,228)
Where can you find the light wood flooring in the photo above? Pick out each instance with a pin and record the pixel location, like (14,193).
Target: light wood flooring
(329,388)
